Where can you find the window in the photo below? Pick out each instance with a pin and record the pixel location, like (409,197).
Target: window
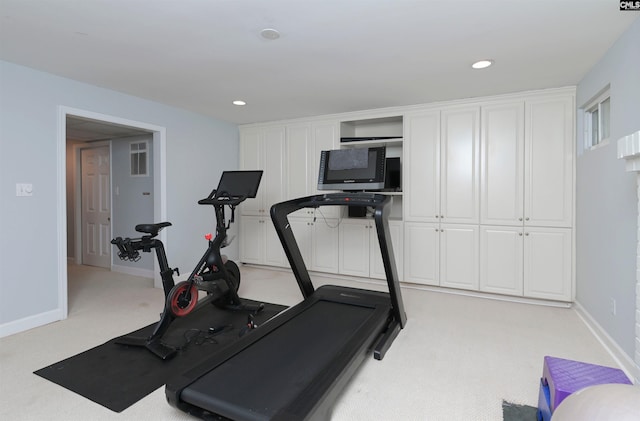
(597,119)
(139,158)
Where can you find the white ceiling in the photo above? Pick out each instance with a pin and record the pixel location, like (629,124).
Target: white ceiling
(332,56)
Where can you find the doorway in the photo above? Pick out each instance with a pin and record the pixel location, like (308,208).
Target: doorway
(80,129)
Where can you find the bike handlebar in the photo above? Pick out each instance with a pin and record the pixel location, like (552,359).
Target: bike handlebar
(222,200)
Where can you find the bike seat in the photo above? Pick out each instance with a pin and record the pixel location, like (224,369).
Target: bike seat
(152,229)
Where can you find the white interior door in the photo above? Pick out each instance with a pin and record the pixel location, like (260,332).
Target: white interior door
(96,207)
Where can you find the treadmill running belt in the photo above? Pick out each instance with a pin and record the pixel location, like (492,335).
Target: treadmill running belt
(234,390)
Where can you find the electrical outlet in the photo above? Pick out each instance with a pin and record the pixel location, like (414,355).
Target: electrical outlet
(612,306)
(24,189)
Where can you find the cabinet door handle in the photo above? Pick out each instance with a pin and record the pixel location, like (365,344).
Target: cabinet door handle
(520,234)
(526,219)
(527,234)
(519,219)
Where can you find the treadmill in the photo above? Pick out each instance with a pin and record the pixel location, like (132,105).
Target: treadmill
(294,366)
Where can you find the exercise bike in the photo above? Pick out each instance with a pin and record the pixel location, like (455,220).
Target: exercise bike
(214,274)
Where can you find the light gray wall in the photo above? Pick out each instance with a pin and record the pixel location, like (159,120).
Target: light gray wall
(198,149)
(606,207)
(130,205)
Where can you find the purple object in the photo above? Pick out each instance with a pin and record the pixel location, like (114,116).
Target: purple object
(565,377)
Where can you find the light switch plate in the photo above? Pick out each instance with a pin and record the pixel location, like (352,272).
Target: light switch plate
(24,189)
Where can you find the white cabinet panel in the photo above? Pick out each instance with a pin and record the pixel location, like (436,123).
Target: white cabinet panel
(459,256)
(459,194)
(252,234)
(301,228)
(325,137)
(396,230)
(304,143)
(501,254)
(252,158)
(318,243)
(354,247)
(421,253)
(273,177)
(259,242)
(298,152)
(262,148)
(421,167)
(274,253)
(502,164)
(360,248)
(325,246)
(549,162)
(547,263)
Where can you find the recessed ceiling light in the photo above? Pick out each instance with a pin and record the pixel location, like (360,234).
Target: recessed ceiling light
(482,64)
(239,102)
(270,33)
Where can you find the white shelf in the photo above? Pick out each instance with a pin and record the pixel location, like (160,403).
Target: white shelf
(372,143)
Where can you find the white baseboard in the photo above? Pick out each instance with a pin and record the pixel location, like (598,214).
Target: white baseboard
(623,360)
(30,322)
(145,273)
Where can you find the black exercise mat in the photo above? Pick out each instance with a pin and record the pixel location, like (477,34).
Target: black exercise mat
(117,376)
(516,412)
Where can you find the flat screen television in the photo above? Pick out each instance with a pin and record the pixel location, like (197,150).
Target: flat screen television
(352,169)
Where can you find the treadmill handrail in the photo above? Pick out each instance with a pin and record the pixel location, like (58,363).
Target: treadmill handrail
(381,204)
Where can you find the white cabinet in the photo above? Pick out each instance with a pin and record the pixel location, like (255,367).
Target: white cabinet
(530,261)
(324,246)
(298,156)
(527,191)
(549,149)
(251,251)
(459,256)
(441,170)
(354,247)
(442,255)
(376,266)
(318,243)
(304,144)
(527,162)
(360,248)
(422,253)
(501,260)
(547,263)
(262,149)
(459,160)
(259,242)
(486,203)
(421,170)
(317,240)
(502,164)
